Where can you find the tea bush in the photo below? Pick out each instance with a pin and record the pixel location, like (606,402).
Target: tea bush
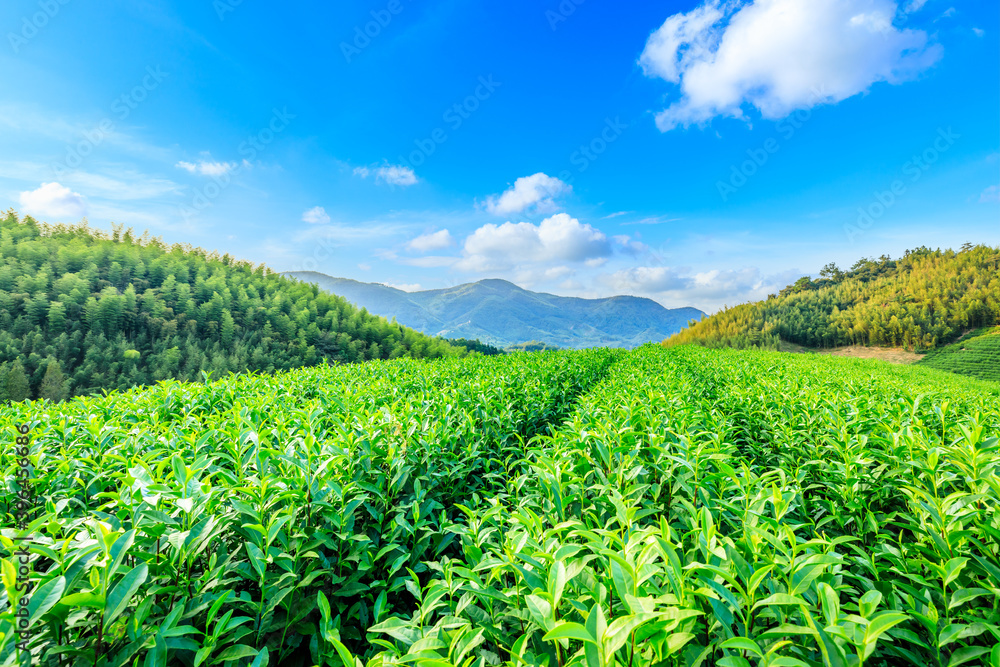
(656,508)
(215,513)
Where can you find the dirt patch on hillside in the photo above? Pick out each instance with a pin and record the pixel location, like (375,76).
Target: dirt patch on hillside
(894,355)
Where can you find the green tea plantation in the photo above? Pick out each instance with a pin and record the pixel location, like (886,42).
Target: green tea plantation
(677,507)
(977,354)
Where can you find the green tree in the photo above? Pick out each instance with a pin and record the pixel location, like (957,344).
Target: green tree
(57,318)
(53,385)
(226,329)
(16,386)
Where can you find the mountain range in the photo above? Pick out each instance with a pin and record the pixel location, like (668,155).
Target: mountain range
(502,314)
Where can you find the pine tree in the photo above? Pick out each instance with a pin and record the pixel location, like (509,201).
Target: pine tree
(17,382)
(53,384)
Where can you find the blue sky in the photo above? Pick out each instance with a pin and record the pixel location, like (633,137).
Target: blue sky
(698,153)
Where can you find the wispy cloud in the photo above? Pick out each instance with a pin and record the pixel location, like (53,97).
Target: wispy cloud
(316,216)
(389,174)
(652,220)
(207,167)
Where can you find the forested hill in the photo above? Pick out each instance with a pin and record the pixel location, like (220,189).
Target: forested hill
(924,299)
(82,311)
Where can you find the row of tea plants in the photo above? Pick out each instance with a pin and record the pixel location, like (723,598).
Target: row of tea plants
(219,523)
(734,509)
(657,508)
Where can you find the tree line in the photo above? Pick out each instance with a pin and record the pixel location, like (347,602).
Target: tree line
(82,311)
(922,300)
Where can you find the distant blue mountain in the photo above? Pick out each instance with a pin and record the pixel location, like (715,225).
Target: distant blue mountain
(503,314)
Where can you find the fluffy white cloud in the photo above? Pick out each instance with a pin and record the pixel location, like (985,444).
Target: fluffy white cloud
(538,191)
(779,55)
(407,287)
(53,203)
(434,241)
(316,216)
(557,238)
(207,167)
(391,174)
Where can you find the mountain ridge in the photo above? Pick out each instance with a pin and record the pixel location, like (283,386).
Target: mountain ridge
(500,313)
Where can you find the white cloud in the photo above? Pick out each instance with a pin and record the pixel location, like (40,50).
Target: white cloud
(629,246)
(434,241)
(54,203)
(979,32)
(990,194)
(407,287)
(646,279)
(391,174)
(707,290)
(914,6)
(538,191)
(652,220)
(719,283)
(207,167)
(557,238)
(316,216)
(779,56)
(395,175)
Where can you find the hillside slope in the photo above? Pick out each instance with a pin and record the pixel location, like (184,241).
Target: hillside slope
(81,312)
(501,313)
(977,354)
(922,300)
